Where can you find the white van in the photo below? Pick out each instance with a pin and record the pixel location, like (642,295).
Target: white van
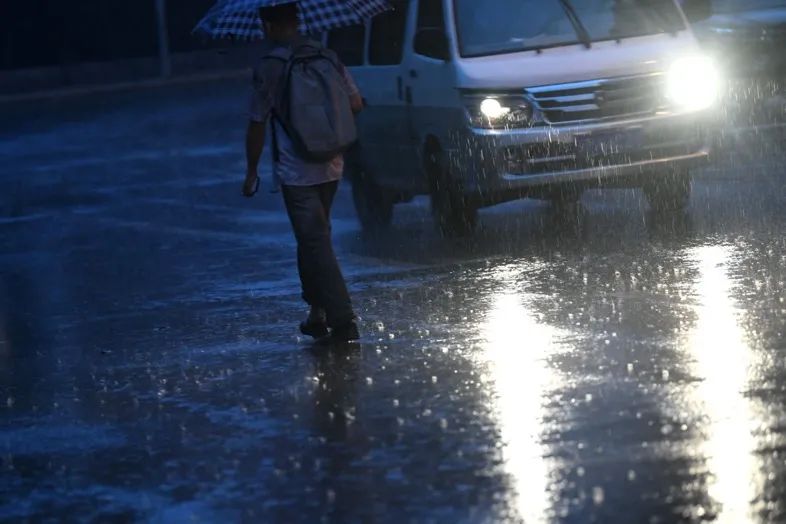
(477,102)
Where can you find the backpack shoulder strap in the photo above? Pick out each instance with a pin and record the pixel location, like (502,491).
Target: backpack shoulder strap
(276,64)
(282,53)
(306,45)
(274,142)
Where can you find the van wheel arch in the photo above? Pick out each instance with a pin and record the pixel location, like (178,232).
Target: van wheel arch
(454,214)
(373,204)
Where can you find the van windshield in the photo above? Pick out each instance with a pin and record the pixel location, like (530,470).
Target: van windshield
(506,26)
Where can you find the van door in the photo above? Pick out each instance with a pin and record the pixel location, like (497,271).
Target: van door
(384,129)
(434,104)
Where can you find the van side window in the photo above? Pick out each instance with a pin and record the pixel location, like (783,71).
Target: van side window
(431,15)
(431,25)
(387,36)
(348,43)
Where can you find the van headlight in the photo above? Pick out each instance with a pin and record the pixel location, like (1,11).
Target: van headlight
(693,83)
(498,111)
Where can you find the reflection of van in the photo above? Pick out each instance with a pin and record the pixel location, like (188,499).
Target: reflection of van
(479,102)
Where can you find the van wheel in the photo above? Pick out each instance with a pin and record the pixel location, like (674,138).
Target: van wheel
(374,206)
(453,212)
(669,193)
(453,215)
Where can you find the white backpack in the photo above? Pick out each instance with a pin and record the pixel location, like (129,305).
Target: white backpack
(312,104)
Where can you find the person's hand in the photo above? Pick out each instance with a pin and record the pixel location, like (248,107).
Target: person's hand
(251,185)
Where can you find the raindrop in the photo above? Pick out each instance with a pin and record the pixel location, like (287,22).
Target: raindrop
(598,496)
(631,475)
(580,471)
(665,374)
(369,381)
(395,403)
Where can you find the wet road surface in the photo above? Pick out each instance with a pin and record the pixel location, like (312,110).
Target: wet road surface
(622,367)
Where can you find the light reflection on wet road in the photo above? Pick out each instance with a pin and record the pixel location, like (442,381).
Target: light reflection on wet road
(731,421)
(622,368)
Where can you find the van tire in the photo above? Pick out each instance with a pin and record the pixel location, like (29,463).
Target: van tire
(373,205)
(454,214)
(669,193)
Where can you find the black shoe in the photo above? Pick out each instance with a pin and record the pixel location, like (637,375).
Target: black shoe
(341,335)
(346,333)
(315,325)
(314,329)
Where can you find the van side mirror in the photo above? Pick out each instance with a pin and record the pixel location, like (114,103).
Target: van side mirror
(432,42)
(697,10)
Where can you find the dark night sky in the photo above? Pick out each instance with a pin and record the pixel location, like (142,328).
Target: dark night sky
(35,33)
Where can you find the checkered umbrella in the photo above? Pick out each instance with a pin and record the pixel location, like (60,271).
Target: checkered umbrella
(239,19)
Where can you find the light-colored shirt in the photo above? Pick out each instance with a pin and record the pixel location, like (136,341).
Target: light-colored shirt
(290,170)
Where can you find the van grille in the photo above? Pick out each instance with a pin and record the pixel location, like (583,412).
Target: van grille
(601,151)
(598,100)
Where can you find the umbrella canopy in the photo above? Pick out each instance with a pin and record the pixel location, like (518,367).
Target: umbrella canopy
(239,19)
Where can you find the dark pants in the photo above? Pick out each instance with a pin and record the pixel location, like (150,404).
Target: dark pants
(323,284)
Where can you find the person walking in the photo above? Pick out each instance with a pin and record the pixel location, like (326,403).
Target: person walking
(308,179)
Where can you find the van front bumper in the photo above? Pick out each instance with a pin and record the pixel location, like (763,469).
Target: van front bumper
(604,152)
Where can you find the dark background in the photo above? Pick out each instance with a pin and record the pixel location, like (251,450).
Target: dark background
(42,33)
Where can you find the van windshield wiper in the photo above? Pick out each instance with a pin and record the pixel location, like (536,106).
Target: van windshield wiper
(578,26)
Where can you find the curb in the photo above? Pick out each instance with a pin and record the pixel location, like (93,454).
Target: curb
(122,86)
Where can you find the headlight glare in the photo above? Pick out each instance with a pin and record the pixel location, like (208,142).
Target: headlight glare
(498,111)
(693,83)
(493,109)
